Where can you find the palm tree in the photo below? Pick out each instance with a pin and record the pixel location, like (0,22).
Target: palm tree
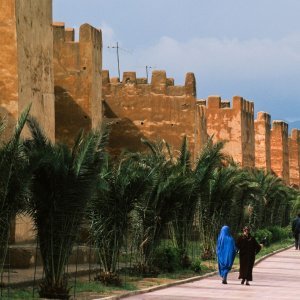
(274,198)
(209,159)
(14,182)
(64,181)
(295,209)
(156,206)
(223,201)
(120,185)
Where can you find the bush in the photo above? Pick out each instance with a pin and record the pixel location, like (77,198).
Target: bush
(278,233)
(263,236)
(196,266)
(108,278)
(167,259)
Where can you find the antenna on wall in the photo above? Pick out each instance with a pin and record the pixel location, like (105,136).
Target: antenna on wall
(147,71)
(118,57)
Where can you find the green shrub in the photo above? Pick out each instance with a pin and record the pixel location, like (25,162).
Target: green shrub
(263,236)
(278,233)
(109,278)
(167,259)
(196,266)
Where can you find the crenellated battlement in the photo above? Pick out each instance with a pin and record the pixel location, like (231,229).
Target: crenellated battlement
(238,103)
(280,149)
(87,33)
(294,157)
(159,84)
(77,78)
(280,126)
(263,116)
(295,135)
(233,122)
(262,127)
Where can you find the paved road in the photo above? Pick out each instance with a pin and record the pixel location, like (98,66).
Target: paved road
(275,278)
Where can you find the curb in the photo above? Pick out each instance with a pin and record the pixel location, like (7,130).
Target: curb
(159,287)
(163,286)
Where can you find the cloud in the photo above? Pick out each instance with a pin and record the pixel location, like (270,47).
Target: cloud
(265,70)
(108,34)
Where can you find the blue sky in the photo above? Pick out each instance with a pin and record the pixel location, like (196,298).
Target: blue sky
(234,47)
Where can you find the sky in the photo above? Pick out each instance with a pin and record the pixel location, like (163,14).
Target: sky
(234,47)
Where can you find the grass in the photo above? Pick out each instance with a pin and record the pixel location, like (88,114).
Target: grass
(24,293)
(83,289)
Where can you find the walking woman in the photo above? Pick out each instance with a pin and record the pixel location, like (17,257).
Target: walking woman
(248,248)
(225,252)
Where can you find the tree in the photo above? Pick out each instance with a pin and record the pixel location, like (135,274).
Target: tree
(64,180)
(274,199)
(14,182)
(209,159)
(156,206)
(119,186)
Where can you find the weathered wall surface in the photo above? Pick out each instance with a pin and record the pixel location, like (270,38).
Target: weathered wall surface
(78,84)
(280,150)
(294,158)
(155,111)
(26,75)
(8,64)
(35,55)
(262,127)
(234,125)
(26,61)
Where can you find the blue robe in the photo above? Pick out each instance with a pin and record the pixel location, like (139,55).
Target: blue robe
(226,251)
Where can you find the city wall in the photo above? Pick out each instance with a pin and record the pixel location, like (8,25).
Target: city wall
(158,110)
(26,72)
(235,125)
(137,109)
(280,150)
(26,61)
(262,127)
(77,79)
(294,158)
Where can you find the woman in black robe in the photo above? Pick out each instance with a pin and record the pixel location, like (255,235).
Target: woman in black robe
(248,248)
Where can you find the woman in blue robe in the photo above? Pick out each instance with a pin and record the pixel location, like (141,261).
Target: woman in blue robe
(225,252)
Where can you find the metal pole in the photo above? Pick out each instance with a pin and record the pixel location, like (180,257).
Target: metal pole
(118,61)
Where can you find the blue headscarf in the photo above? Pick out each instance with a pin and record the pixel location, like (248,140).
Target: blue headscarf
(225,251)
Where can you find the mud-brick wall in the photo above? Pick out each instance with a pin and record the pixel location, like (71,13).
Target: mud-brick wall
(263,141)
(235,125)
(280,150)
(294,158)
(77,77)
(8,63)
(26,54)
(158,110)
(26,73)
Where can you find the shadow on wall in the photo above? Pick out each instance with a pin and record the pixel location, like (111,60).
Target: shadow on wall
(69,117)
(124,134)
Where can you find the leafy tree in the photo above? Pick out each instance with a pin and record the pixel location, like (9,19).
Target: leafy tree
(64,180)
(199,176)
(274,199)
(119,186)
(14,182)
(156,206)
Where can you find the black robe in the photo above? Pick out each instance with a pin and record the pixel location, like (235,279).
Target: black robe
(248,248)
